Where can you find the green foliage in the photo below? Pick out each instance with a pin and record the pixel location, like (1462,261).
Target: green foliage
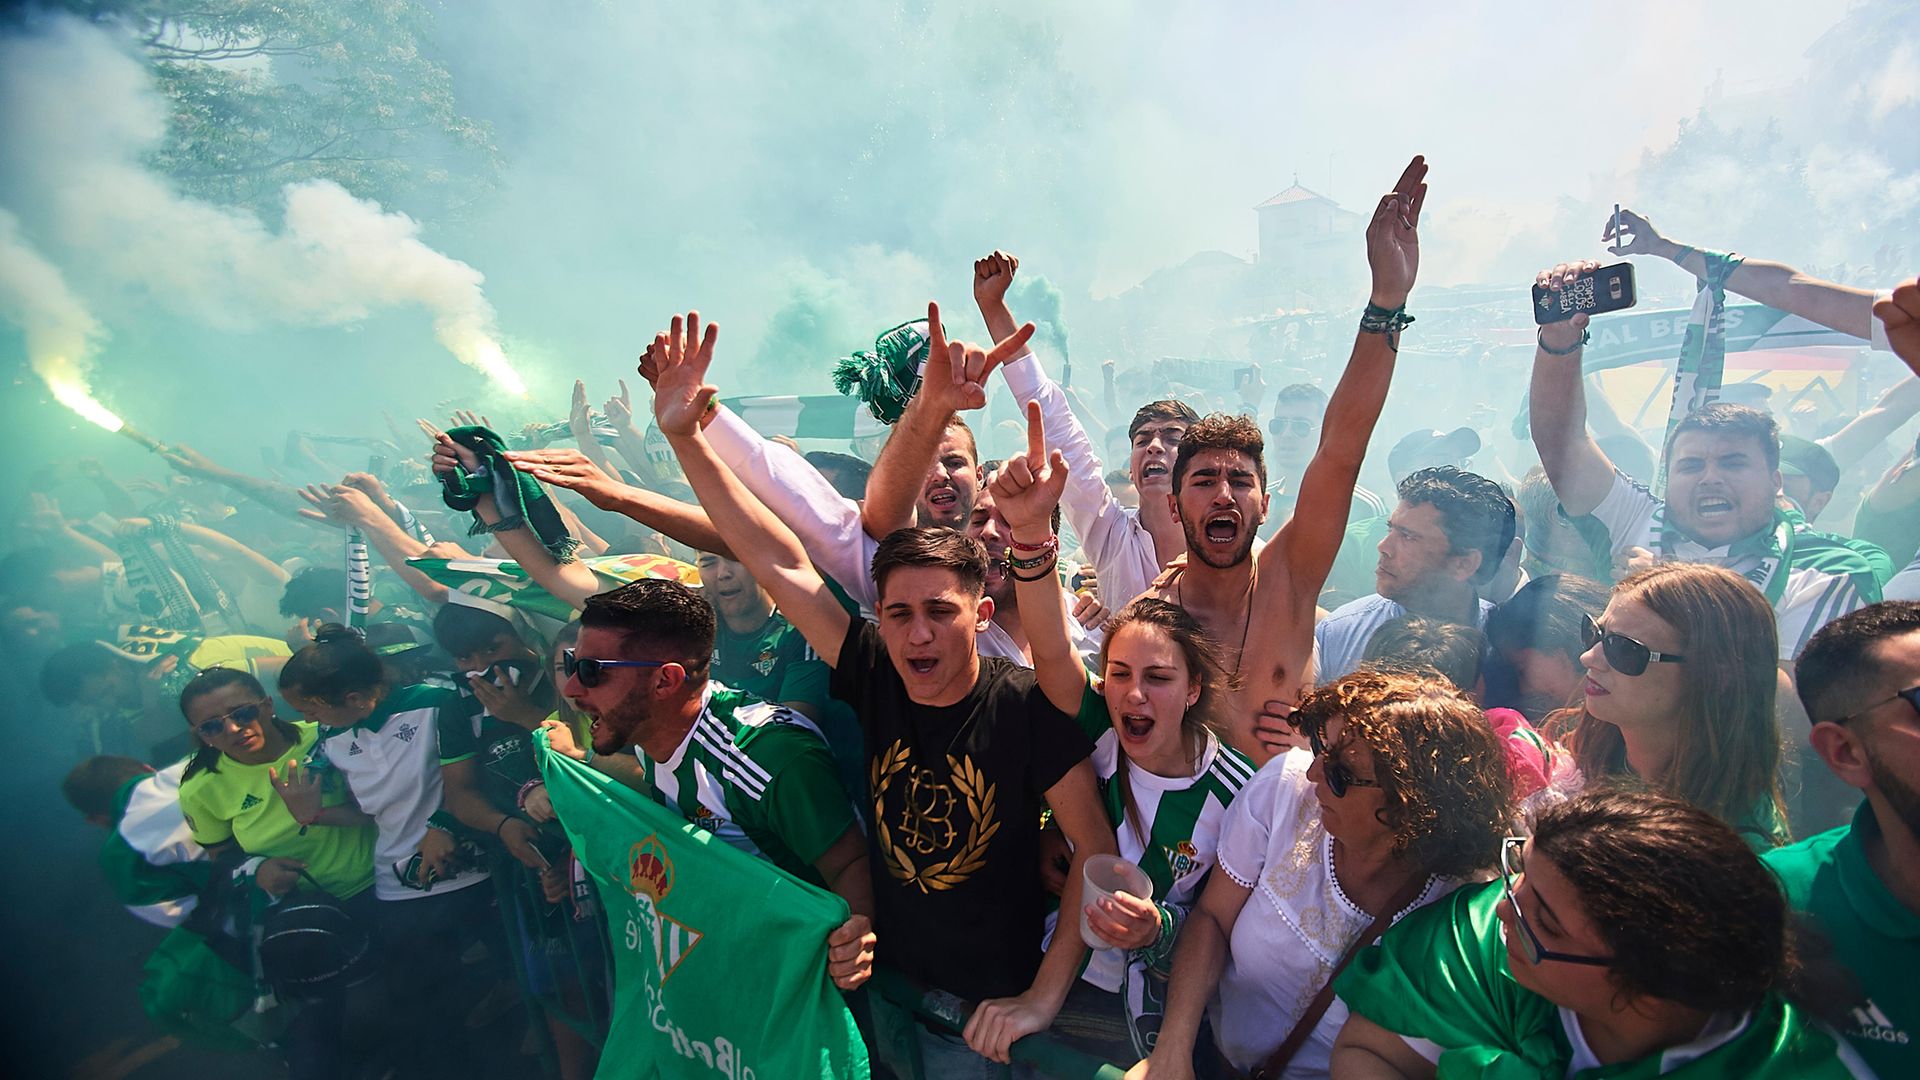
(266,93)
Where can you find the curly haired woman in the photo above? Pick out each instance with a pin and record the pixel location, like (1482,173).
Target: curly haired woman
(1403,797)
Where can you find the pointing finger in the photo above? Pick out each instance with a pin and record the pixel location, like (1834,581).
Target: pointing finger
(1036,436)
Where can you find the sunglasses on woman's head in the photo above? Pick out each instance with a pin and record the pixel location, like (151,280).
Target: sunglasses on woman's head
(590,671)
(1624,655)
(240,717)
(1339,774)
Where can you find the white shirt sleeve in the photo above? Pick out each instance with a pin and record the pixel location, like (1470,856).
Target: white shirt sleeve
(1109,534)
(1877,330)
(1904,585)
(827,523)
(1627,512)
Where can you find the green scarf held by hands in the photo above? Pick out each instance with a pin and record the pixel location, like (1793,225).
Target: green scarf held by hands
(888,377)
(521,499)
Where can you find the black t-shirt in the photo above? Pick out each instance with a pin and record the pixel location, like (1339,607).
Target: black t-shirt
(957,794)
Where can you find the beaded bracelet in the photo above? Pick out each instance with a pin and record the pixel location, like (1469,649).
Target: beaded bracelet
(520,797)
(1541,337)
(1052,543)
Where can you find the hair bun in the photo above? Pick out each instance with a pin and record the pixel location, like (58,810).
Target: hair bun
(334,634)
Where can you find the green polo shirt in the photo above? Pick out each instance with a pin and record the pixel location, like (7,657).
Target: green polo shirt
(1873,934)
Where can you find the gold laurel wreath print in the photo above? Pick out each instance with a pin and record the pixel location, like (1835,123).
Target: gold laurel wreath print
(979,799)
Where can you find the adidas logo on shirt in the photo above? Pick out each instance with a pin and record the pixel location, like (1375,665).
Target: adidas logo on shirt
(250,801)
(353,749)
(1869,1022)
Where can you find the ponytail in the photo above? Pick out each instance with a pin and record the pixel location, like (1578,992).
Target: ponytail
(337,664)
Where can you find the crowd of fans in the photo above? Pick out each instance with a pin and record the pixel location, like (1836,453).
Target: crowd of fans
(1596,760)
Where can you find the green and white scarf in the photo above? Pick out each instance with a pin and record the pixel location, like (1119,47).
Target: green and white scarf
(1703,355)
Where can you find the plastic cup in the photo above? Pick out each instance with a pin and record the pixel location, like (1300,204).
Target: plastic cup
(1104,876)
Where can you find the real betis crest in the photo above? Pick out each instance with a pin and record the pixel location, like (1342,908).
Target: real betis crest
(649,880)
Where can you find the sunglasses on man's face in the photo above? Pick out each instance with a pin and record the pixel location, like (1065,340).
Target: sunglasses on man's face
(1624,655)
(240,717)
(1911,695)
(590,671)
(1339,774)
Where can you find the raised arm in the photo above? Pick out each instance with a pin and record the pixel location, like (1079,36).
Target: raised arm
(761,542)
(575,471)
(1580,473)
(1874,426)
(350,507)
(569,582)
(1838,307)
(271,494)
(1025,491)
(1307,543)
(946,388)
(1899,314)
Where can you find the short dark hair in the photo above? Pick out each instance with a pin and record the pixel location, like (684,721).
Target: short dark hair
(93,783)
(1475,513)
(1685,908)
(656,615)
(1724,418)
(941,548)
(1164,409)
(313,590)
(957,423)
(1840,654)
(1221,431)
(1416,643)
(847,474)
(1301,392)
(1545,615)
(338,663)
(462,629)
(62,673)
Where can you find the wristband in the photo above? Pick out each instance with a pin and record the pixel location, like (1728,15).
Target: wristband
(504,818)
(1540,337)
(526,789)
(1041,576)
(1046,557)
(1051,543)
(1378,320)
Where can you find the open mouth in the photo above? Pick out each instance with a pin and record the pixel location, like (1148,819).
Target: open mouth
(1153,470)
(1222,528)
(1136,726)
(943,499)
(1712,505)
(922,667)
(1594,689)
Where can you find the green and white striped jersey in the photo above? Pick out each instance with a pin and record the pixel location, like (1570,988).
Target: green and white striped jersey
(758,776)
(150,858)
(1180,818)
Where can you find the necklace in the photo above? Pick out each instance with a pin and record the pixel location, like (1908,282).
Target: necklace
(1246,601)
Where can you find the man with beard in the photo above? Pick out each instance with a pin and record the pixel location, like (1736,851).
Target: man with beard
(1128,547)
(1859,679)
(1444,542)
(962,749)
(1723,488)
(757,776)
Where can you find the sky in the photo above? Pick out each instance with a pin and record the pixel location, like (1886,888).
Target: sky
(809,174)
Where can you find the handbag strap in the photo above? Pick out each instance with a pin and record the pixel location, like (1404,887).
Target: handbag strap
(1276,1062)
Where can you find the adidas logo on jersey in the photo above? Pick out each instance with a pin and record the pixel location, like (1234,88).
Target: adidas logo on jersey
(1869,1022)
(250,801)
(353,749)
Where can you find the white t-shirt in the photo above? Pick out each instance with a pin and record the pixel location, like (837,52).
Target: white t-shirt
(1342,636)
(1296,925)
(1904,585)
(1813,598)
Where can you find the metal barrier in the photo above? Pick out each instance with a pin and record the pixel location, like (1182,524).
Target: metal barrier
(562,959)
(950,1013)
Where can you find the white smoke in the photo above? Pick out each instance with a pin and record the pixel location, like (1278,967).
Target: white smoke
(79,114)
(61,335)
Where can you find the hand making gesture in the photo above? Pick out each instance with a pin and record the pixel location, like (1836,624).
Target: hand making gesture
(1028,486)
(955,378)
(574,471)
(992,276)
(1393,242)
(679,359)
(1637,236)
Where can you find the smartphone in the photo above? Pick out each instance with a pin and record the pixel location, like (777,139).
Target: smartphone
(1609,288)
(1242,377)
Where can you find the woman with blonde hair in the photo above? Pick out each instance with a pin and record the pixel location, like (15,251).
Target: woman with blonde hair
(1680,691)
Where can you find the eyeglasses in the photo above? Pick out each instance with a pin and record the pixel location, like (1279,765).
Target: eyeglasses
(239,717)
(1512,850)
(589,670)
(1911,695)
(1290,425)
(1339,774)
(1624,655)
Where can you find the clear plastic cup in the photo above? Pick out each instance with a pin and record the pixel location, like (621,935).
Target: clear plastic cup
(1104,876)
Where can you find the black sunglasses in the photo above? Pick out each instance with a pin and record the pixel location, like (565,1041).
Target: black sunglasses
(1339,774)
(589,670)
(1911,695)
(1624,655)
(240,717)
(1511,852)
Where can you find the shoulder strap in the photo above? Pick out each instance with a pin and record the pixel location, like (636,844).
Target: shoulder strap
(1276,1063)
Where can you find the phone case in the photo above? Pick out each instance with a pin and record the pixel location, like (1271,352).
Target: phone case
(1610,288)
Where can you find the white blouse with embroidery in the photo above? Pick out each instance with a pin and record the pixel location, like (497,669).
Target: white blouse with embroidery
(1295,926)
